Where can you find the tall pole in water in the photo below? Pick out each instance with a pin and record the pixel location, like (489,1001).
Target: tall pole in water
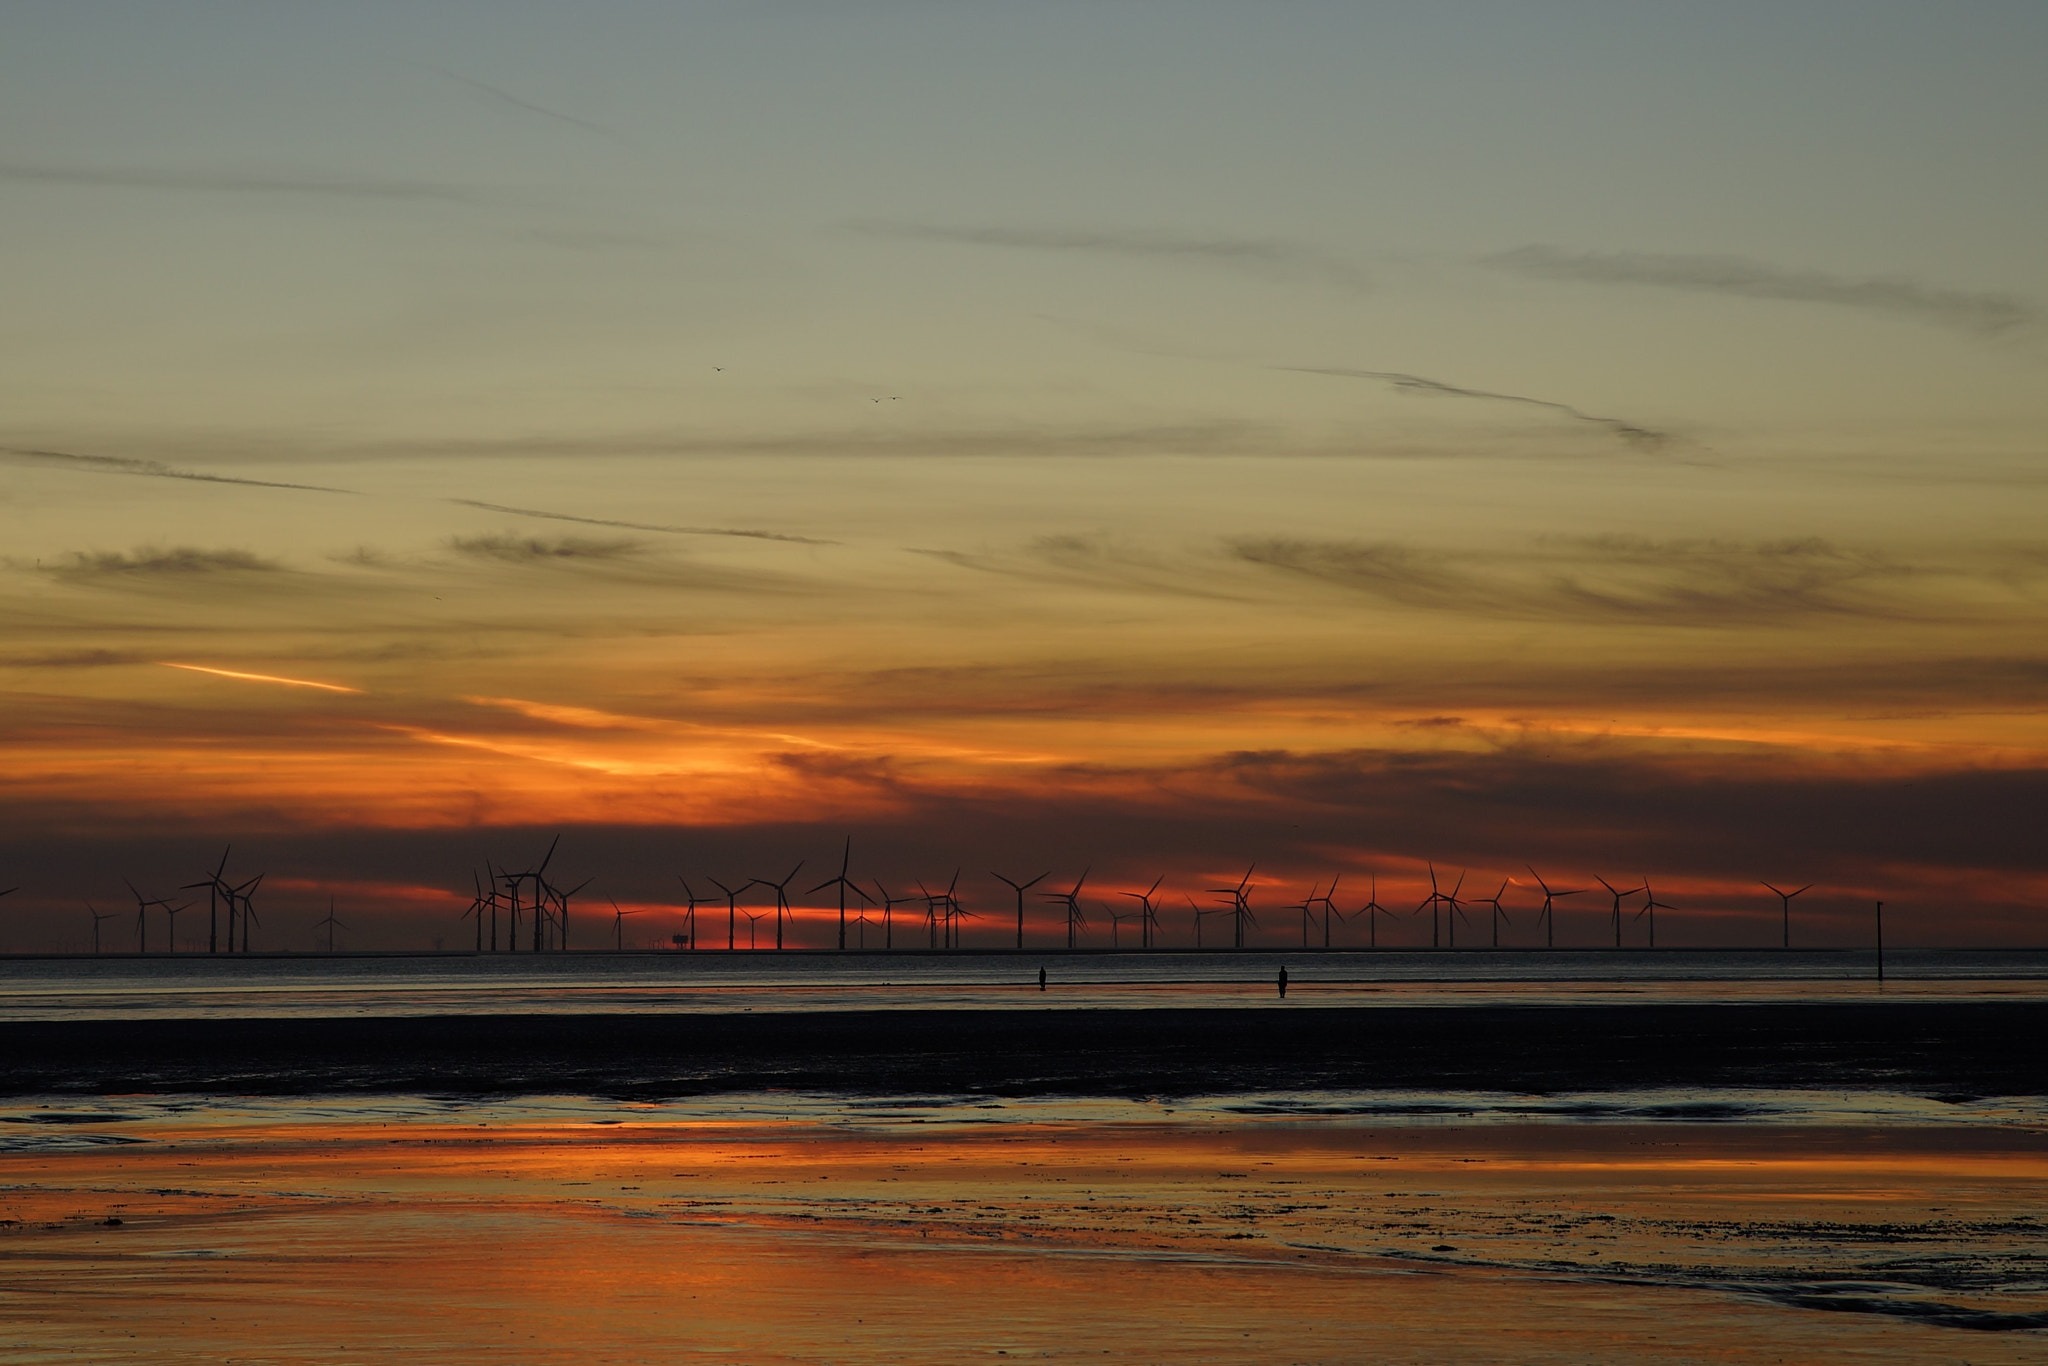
(1880,943)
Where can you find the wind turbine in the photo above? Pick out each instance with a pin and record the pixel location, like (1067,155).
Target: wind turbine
(1372,910)
(1020,888)
(214,886)
(1307,907)
(1550,894)
(331,924)
(142,906)
(845,859)
(619,926)
(1494,901)
(1650,908)
(561,900)
(690,915)
(1116,922)
(1439,897)
(732,895)
(97,917)
(1077,919)
(491,880)
(754,918)
(1148,917)
(476,908)
(955,912)
(932,907)
(1240,906)
(246,896)
(1618,894)
(1329,907)
(1785,906)
(782,898)
(889,905)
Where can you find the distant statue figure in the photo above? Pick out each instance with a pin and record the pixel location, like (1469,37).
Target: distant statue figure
(1041,979)
(1283,983)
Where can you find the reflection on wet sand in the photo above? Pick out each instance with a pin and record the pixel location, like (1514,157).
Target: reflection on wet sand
(792,1230)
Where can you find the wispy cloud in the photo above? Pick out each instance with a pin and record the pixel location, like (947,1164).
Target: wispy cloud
(151,469)
(1090,560)
(193,180)
(174,560)
(1967,310)
(1260,255)
(642,526)
(530,106)
(1632,432)
(75,659)
(1615,580)
(533,550)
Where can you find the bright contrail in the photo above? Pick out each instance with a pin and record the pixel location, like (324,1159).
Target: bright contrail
(259,678)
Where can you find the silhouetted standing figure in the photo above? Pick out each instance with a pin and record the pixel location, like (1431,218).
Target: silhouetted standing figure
(1283,984)
(1041,979)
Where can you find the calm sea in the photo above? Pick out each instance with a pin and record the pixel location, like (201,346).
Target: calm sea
(187,986)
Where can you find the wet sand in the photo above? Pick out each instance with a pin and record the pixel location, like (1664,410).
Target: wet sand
(1934,1047)
(298,1231)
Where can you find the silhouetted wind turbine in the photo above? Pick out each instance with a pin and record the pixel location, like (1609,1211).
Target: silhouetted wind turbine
(889,905)
(1439,897)
(1650,908)
(1020,888)
(1077,919)
(1116,922)
(1785,906)
(845,860)
(732,897)
(1149,917)
(331,924)
(246,896)
(1307,907)
(1329,907)
(1372,910)
(1617,894)
(476,909)
(1494,901)
(1240,906)
(690,915)
(142,905)
(1550,894)
(561,899)
(97,917)
(619,926)
(214,886)
(781,898)
(754,918)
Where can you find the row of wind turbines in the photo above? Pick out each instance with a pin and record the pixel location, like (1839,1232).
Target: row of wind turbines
(526,905)
(938,917)
(236,899)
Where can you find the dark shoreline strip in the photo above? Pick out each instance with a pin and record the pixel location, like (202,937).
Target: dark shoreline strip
(1964,1049)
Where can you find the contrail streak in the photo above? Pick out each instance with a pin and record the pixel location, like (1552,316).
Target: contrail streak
(641,526)
(259,678)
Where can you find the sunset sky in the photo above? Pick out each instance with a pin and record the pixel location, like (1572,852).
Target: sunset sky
(1143,437)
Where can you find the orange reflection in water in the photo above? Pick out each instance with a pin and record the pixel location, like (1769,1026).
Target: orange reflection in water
(1252,1240)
